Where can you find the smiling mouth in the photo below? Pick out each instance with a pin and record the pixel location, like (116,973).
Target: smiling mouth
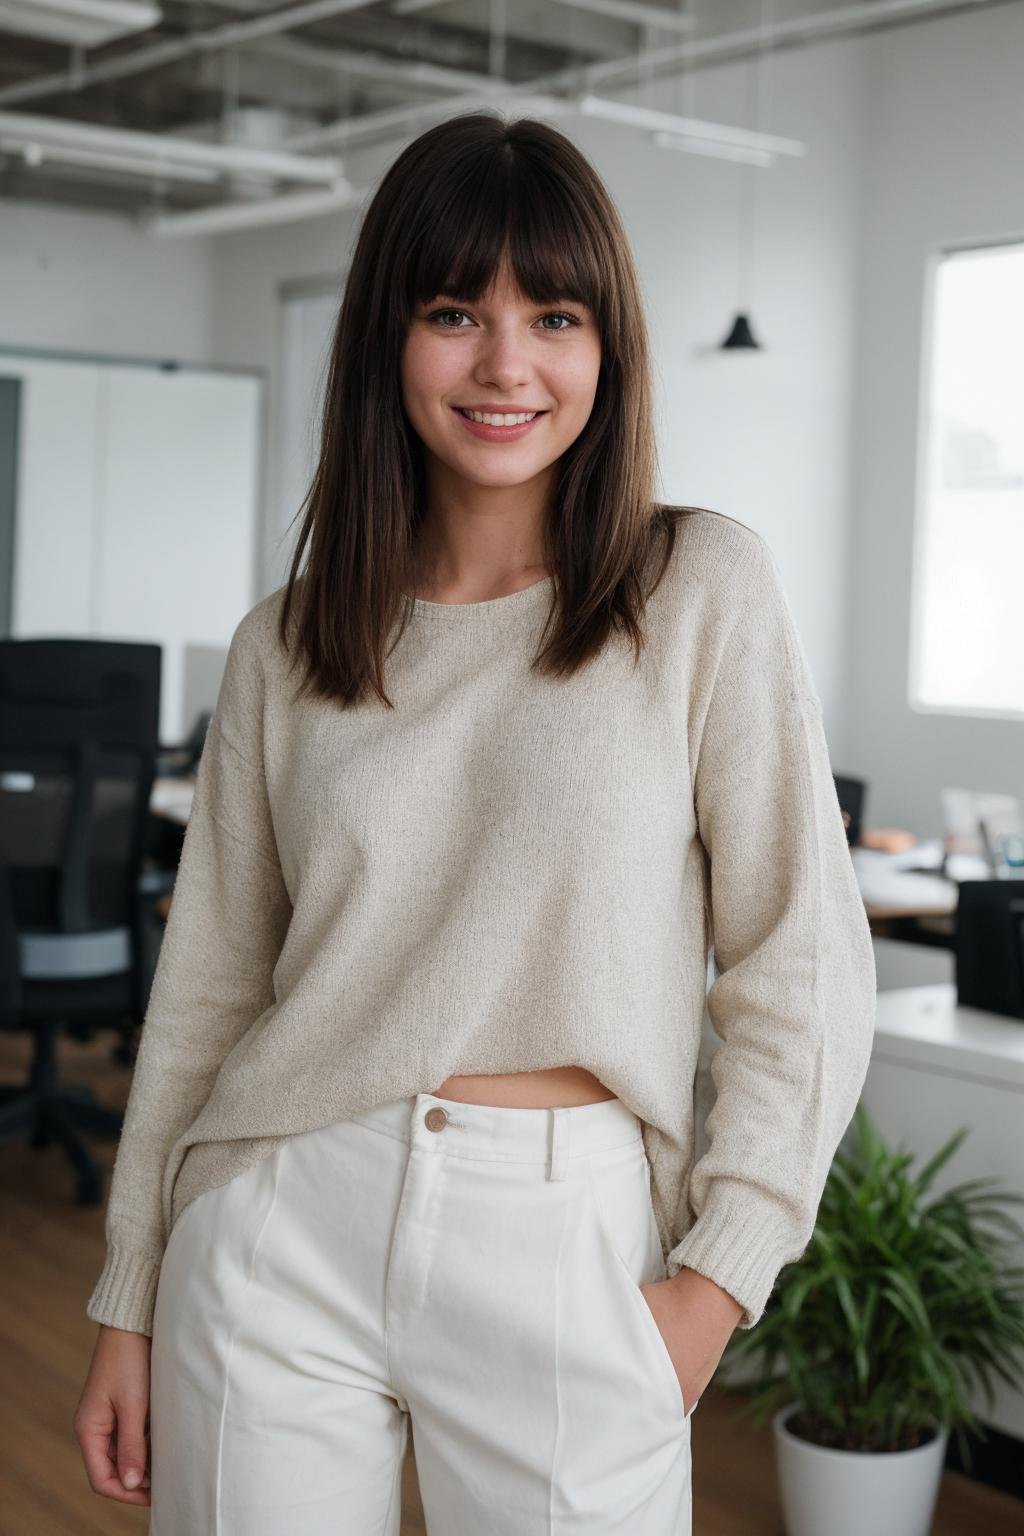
(471,415)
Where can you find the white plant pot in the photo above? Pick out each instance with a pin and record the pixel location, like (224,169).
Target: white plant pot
(827,1492)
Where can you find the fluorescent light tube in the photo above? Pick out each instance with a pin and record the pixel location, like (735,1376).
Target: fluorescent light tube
(224,158)
(695,127)
(79,23)
(692,146)
(224,218)
(35,154)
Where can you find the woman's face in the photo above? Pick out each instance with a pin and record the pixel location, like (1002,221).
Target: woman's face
(507,355)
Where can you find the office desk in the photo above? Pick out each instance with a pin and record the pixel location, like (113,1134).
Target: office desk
(172,799)
(916,906)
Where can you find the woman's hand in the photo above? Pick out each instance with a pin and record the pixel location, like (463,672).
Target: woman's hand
(111,1422)
(696,1318)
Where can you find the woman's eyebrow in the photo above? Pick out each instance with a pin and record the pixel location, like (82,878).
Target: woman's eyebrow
(529,304)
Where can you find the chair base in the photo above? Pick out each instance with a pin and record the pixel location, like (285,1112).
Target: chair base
(49,1111)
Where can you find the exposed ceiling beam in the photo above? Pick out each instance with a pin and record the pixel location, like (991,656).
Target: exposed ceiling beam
(384,124)
(241,159)
(451,45)
(795,31)
(231,34)
(643,64)
(848,20)
(377,66)
(78,23)
(228,218)
(550,94)
(39,156)
(647,118)
(636,12)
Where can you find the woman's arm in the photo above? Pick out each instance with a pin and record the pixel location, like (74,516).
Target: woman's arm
(214,977)
(794,1003)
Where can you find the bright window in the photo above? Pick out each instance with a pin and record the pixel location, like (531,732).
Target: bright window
(967,647)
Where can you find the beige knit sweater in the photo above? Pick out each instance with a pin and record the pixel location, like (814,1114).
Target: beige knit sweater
(512,872)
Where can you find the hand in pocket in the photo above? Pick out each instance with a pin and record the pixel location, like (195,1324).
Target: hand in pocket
(695,1317)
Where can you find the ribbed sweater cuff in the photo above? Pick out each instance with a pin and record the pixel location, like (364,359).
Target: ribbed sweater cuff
(740,1240)
(125,1293)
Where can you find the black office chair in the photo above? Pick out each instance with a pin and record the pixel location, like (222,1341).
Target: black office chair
(989,946)
(79,724)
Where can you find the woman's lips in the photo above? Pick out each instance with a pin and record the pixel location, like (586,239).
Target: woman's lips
(492,434)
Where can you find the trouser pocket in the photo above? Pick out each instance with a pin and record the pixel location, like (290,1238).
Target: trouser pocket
(619,1192)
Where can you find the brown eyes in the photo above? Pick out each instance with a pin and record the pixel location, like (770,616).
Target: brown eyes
(555,314)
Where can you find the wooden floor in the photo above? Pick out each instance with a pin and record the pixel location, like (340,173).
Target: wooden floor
(51,1252)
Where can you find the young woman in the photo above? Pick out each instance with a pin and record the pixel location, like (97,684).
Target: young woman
(411,1132)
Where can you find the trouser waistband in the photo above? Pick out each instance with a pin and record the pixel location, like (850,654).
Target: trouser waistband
(497,1133)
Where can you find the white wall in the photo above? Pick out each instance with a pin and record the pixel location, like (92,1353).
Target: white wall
(90,282)
(763,436)
(946,126)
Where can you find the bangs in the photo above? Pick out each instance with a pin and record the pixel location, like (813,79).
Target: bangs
(508,206)
(471,201)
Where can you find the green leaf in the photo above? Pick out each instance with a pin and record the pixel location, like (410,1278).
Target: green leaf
(900,1306)
(928,1172)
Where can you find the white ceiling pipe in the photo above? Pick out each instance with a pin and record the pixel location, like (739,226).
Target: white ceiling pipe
(535,93)
(371,127)
(155,55)
(227,218)
(398,120)
(868,16)
(219,157)
(710,147)
(35,155)
(636,13)
(698,128)
(78,23)
(375,66)
(843,21)
(633,11)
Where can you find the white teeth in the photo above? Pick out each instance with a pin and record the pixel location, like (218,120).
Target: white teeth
(500,421)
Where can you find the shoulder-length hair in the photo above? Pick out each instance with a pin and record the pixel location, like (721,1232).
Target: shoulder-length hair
(463,197)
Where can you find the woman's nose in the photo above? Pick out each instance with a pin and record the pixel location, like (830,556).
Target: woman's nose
(503,357)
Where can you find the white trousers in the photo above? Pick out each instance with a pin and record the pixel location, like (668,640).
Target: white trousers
(469,1269)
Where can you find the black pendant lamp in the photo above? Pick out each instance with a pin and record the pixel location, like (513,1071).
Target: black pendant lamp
(741,335)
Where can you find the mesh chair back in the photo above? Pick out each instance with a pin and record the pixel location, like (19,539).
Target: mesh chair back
(79,723)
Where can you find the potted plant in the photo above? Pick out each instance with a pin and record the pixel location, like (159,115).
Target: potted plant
(900,1303)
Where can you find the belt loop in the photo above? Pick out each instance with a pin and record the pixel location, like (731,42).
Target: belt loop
(559,1143)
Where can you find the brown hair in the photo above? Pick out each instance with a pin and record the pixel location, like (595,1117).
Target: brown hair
(459,200)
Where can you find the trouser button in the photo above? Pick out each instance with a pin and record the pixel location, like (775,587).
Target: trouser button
(435,1118)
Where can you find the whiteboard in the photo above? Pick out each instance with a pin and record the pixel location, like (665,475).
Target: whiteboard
(137,512)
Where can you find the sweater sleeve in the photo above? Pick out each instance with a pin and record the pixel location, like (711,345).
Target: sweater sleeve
(228,917)
(794,998)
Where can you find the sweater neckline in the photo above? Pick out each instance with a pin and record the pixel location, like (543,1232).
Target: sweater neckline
(488,608)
